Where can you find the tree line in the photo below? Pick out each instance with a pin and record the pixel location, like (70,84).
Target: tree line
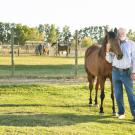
(50,33)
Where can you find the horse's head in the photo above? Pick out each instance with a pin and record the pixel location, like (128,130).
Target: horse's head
(53,44)
(114,43)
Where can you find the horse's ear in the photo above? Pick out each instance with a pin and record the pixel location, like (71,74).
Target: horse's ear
(106,32)
(105,40)
(115,31)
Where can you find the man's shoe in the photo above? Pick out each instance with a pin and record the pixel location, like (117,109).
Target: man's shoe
(117,115)
(121,116)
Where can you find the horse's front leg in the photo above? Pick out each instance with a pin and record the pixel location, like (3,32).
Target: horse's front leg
(102,95)
(112,97)
(90,88)
(91,80)
(67,53)
(59,53)
(96,92)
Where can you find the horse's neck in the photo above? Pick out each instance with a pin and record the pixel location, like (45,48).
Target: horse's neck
(102,51)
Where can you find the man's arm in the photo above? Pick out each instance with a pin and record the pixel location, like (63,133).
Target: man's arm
(133,60)
(109,55)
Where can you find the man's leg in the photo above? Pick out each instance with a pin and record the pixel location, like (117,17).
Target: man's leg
(118,91)
(128,83)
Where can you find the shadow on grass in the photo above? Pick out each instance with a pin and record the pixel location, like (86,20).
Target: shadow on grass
(51,120)
(52,68)
(31,119)
(21,105)
(36,105)
(66,70)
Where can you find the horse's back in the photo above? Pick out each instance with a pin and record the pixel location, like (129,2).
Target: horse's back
(91,49)
(62,47)
(94,63)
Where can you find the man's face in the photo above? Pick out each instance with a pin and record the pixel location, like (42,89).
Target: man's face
(122,34)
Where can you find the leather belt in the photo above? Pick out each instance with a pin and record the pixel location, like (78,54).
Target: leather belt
(119,69)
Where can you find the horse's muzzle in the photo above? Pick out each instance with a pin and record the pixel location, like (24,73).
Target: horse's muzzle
(120,56)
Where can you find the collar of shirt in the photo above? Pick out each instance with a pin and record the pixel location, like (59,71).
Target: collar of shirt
(123,41)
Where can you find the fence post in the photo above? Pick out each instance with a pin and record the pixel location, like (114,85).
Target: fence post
(76,54)
(12,50)
(18,49)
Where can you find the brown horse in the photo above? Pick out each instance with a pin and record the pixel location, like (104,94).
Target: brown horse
(46,50)
(97,66)
(64,48)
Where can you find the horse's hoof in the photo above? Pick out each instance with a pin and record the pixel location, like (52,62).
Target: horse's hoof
(90,105)
(96,105)
(114,113)
(101,114)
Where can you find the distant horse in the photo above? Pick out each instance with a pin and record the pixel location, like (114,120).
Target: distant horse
(97,66)
(38,49)
(46,50)
(62,48)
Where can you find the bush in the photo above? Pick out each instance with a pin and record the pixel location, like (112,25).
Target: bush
(87,41)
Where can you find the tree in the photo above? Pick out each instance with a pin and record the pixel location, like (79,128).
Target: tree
(24,33)
(53,35)
(94,32)
(7,32)
(41,28)
(47,32)
(21,34)
(131,35)
(35,35)
(86,41)
(65,35)
(2,30)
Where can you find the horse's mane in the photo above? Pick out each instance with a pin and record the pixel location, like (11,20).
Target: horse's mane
(91,49)
(110,35)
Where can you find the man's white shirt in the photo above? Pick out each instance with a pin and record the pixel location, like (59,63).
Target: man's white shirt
(128,59)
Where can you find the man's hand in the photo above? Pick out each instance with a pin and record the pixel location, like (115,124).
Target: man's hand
(133,76)
(108,46)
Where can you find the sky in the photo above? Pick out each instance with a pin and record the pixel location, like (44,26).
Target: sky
(76,14)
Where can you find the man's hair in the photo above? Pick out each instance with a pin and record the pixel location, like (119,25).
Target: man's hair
(122,30)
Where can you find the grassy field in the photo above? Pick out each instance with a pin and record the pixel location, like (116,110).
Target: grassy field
(41,66)
(57,110)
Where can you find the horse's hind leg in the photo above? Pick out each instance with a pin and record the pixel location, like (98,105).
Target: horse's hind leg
(91,81)
(67,53)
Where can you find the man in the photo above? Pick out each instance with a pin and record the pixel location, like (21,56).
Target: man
(123,73)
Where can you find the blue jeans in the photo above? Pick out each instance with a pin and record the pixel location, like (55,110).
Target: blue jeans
(119,78)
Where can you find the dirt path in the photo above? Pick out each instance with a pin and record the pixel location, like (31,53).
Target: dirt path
(18,81)
(21,80)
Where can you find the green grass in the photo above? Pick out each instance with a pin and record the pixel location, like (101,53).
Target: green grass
(57,110)
(39,60)
(41,66)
